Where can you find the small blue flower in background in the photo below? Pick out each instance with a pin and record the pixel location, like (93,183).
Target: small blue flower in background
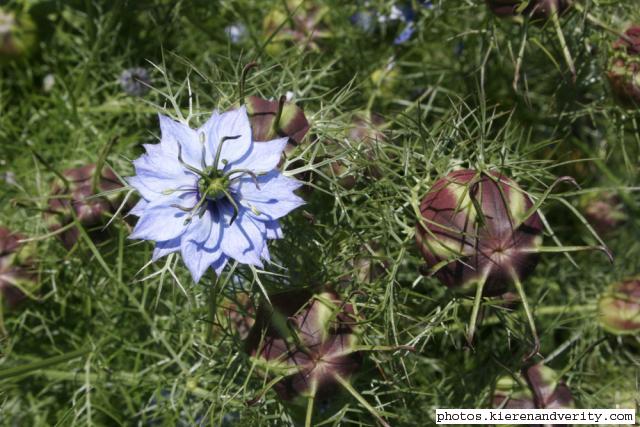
(236,32)
(404,12)
(135,81)
(212,193)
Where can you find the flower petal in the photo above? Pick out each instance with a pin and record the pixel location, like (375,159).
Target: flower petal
(200,245)
(263,156)
(139,208)
(274,231)
(165,248)
(274,199)
(244,239)
(174,133)
(231,124)
(161,220)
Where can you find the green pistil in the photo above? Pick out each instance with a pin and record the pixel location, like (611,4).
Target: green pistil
(213,187)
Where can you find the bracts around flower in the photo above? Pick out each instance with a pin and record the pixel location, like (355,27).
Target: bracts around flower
(480,232)
(212,193)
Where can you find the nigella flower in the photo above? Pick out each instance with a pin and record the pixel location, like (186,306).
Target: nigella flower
(212,193)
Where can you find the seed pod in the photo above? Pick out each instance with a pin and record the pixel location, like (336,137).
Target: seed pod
(310,341)
(16,268)
(619,308)
(92,213)
(537,9)
(624,68)
(17,35)
(604,211)
(476,221)
(538,387)
(266,125)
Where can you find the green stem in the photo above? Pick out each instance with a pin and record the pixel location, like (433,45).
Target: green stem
(540,312)
(563,43)
(34,367)
(97,173)
(477,301)
(529,313)
(347,386)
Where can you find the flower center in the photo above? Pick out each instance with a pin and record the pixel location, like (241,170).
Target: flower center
(213,187)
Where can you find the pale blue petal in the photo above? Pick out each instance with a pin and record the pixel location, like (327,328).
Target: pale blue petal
(263,156)
(210,136)
(175,132)
(273,199)
(165,248)
(274,231)
(201,244)
(230,124)
(153,183)
(161,221)
(244,239)
(218,266)
(139,208)
(265,253)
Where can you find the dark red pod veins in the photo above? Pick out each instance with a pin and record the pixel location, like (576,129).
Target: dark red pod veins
(91,212)
(537,9)
(482,224)
(308,340)
(16,268)
(271,119)
(624,69)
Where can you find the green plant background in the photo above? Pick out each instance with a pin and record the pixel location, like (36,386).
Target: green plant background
(113,340)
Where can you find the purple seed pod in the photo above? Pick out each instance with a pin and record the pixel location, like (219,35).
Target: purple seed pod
(92,213)
(276,119)
(308,343)
(619,308)
(135,81)
(482,223)
(16,268)
(624,68)
(604,211)
(537,9)
(537,387)
(479,230)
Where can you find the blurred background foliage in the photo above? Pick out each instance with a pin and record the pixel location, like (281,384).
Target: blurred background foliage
(112,340)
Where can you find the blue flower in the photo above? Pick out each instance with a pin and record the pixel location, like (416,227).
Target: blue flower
(212,193)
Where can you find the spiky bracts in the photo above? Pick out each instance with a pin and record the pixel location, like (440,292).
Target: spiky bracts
(76,199)
(619,308)
(624,68)
(537,387)
(307,343)
(17,274)
(537,9)
(478,227)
